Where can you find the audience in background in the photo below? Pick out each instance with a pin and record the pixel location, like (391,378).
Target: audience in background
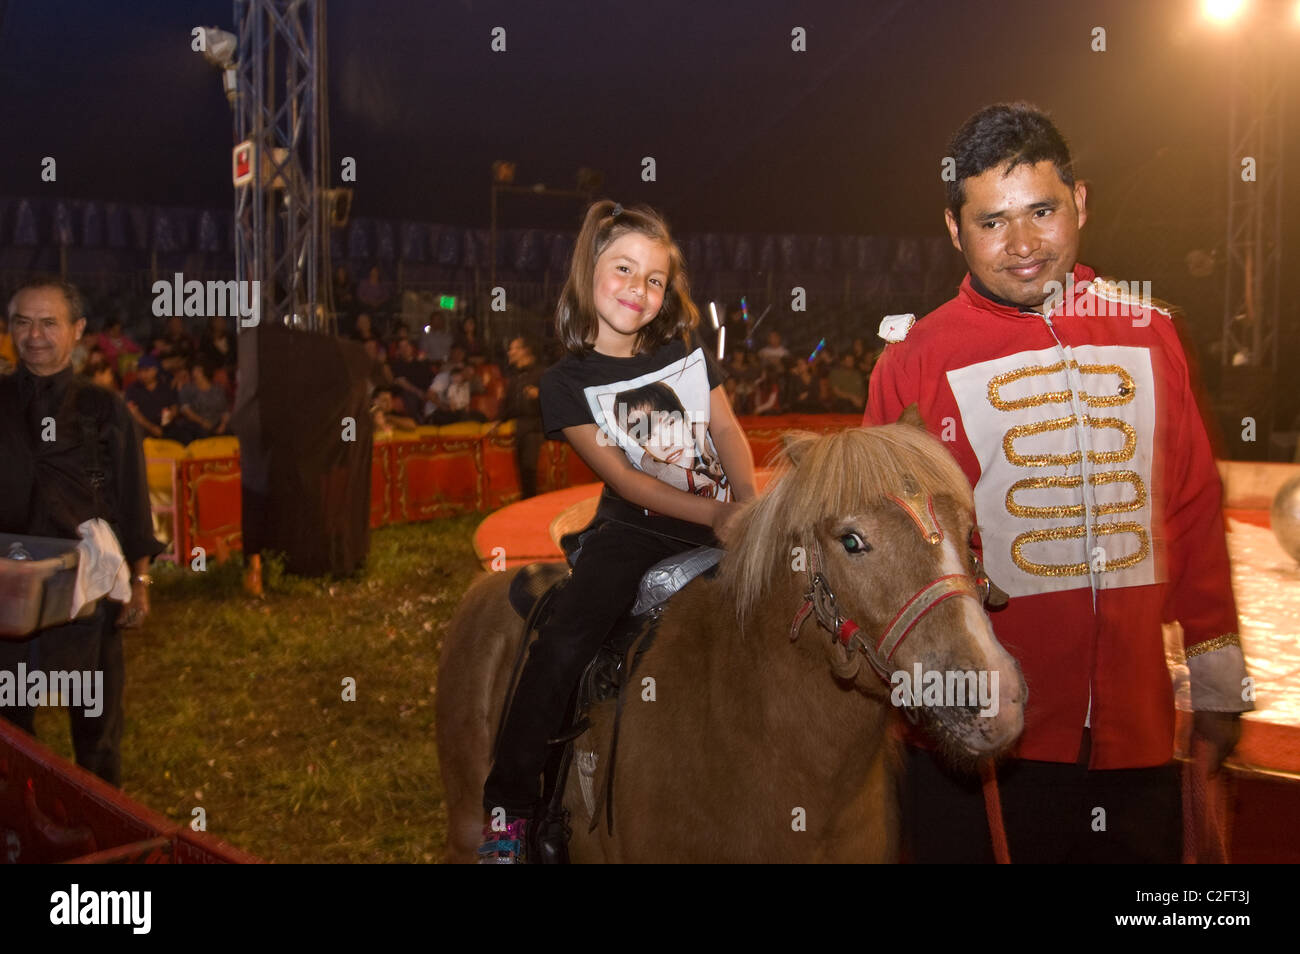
(523,405)
(179,344)
(345,299)
(364,330)
(848,386)
(184,382)
(152,401)
(436,341)
(767,390)
(374,294)
(115,344)
(411,375)
(469,341)
(387,418)
(452,390)
(775,351)
(204,407)
(106,376)
(381,375)
(801,388)
(8,353)
(217,348)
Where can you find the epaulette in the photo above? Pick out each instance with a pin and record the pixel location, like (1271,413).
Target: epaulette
(1120,293)
(894,328)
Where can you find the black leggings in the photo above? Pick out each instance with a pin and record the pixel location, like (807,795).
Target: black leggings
(603,587)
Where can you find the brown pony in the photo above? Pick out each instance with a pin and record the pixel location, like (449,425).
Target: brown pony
(751,733)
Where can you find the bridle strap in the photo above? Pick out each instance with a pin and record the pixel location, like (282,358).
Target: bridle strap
(821,600)
(930,596)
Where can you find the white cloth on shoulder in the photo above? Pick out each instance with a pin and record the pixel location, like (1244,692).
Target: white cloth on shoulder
(102,569)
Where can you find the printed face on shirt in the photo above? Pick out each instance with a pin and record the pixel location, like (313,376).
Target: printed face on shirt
(665,435)
(1019,230)
(631,277)
(43,330)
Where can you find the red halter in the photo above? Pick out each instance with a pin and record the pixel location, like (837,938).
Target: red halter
(821,599)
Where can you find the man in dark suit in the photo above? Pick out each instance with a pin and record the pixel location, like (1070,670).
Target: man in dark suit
(72,454)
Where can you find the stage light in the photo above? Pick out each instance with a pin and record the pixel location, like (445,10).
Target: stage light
(219,48)
(1223,12)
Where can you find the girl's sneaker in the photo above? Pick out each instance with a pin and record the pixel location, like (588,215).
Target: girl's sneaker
(509,847)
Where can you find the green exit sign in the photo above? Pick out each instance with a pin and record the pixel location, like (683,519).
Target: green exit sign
(447,302)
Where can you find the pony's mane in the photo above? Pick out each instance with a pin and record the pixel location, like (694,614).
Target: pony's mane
(818,476)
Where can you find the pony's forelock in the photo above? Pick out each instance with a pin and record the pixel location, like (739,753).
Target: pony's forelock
(846,472)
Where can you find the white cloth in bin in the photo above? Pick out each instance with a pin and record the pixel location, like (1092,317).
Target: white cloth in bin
(102,569)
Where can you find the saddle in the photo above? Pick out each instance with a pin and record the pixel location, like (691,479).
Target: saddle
(605,677)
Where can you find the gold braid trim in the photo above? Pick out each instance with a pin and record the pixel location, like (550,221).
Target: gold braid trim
(1210,645)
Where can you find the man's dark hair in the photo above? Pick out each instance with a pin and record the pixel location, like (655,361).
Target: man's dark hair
(1008,133)
(76,309)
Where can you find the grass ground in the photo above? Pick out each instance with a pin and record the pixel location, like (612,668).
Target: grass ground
(236,705)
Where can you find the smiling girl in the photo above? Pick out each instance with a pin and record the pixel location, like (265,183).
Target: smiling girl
(626,320)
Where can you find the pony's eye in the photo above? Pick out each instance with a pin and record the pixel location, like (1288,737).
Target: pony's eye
(853,543)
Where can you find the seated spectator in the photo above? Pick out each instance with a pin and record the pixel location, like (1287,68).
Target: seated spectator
(381,375)
(363,331)
(180,343)
(450,393)
(345,299)
(374,293)
(742,370)
(802,388)
(469,342)
(435,343)
(729,385)
(180,379)
(204,407)
(387,419)
(867,363)
(218,349)
(399,334)
(152,402)
(775,351)
(106,376)
(848,387)
(411,375)
(768,391)
(8,353)
(114,343)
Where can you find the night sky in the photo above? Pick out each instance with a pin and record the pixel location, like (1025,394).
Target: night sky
(747,134)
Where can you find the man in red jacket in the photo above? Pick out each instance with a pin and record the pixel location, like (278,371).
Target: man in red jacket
(1066,401)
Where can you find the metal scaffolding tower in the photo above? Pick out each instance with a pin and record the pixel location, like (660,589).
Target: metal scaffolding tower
(281,234)
(1252,291)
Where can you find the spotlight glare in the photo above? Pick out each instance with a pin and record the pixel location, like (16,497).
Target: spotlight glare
(1223,12)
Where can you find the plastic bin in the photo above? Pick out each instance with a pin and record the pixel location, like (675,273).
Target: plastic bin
(37,593)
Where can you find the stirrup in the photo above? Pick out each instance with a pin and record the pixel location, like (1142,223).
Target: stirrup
(509,847)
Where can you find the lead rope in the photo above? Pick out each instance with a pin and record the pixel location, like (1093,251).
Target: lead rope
(993,809)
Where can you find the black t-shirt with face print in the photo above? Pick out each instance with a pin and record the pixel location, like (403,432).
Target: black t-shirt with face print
(655,407)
